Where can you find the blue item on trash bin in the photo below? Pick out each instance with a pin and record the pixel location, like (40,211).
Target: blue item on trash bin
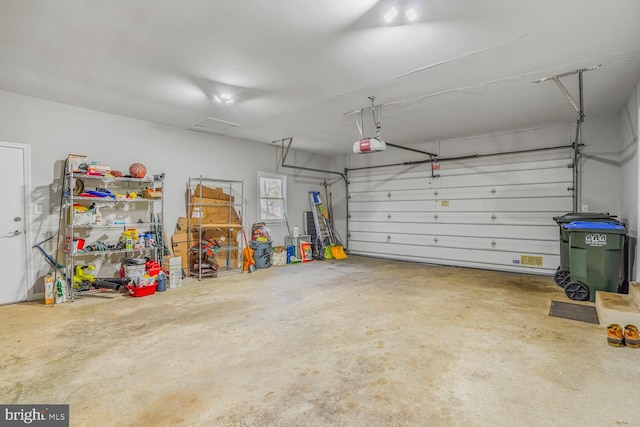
(590,225)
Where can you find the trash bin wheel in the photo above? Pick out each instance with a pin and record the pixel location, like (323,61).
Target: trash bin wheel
(561,277)
(577,291)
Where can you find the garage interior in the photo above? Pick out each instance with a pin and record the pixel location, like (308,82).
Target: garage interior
(485,120)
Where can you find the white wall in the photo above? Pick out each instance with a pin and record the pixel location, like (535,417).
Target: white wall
(55,130)
(629,120)
(601,171)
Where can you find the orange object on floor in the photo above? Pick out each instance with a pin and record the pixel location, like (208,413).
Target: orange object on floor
(614,335)
(631,336)
(247,258)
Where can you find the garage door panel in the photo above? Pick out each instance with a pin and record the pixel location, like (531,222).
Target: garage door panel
(493,179)
(417,181)
(494,231)
(555,204)
(446,170)
(496,216)
(490,192)
(457,256)
(479,218)
(534,246)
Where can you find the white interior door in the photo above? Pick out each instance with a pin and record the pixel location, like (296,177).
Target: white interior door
(498,217)
(13,254)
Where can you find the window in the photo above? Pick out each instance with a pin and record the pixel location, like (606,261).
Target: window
(272,190)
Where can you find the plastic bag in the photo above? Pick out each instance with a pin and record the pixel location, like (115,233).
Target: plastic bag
(306,251)
(259,231)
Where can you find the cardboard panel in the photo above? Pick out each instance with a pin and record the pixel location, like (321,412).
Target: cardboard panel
(212,193)
(213,211)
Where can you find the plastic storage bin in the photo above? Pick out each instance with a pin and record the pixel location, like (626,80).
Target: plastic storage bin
(142,291)
(262,252)
(562,274)
(595,255)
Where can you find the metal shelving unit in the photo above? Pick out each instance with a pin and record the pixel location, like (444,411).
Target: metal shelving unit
(214,217)
(101,231)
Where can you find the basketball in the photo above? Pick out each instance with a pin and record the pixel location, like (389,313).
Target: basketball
(137,170)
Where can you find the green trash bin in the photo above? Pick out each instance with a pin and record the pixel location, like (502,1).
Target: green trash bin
(562,274)
(595,256)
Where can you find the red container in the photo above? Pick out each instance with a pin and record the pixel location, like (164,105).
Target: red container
(153,268)
(142,291)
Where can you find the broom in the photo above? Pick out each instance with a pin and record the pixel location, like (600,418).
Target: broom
(247,252)
(335,249)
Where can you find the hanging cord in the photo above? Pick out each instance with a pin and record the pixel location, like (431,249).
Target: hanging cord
(376,115)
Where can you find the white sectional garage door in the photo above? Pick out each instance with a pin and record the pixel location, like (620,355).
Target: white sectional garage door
(497,217)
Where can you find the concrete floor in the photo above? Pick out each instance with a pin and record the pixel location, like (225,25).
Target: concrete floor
(357,342)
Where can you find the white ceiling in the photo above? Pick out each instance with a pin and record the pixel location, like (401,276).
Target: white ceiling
(297,66)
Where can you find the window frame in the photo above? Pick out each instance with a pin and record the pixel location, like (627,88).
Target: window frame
(283,181)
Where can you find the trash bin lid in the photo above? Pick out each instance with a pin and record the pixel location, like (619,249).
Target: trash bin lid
(591,225)
(582,216)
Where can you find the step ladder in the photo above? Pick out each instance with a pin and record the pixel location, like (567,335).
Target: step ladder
(323,232)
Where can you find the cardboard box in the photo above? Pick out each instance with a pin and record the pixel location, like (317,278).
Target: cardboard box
(180,246)
(213,211)
(175,279)
(223,236)
(181,250)
(212,193)
(182,224)
(149,193)
(171,263)
(76,160)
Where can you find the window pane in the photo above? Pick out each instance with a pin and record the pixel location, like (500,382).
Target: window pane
(271,209)
(271,187)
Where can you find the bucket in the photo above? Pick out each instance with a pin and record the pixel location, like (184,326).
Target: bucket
(262,253)
(161,281)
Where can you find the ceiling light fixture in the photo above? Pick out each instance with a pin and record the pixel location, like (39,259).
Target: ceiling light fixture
(411,14)
(224,98)
(392,13)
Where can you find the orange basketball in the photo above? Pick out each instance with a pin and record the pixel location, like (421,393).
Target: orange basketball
(137,170)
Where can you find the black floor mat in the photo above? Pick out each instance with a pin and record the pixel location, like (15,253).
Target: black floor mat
(567,310)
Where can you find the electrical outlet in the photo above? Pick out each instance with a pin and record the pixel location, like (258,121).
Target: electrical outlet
(585,208)
(37,208)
